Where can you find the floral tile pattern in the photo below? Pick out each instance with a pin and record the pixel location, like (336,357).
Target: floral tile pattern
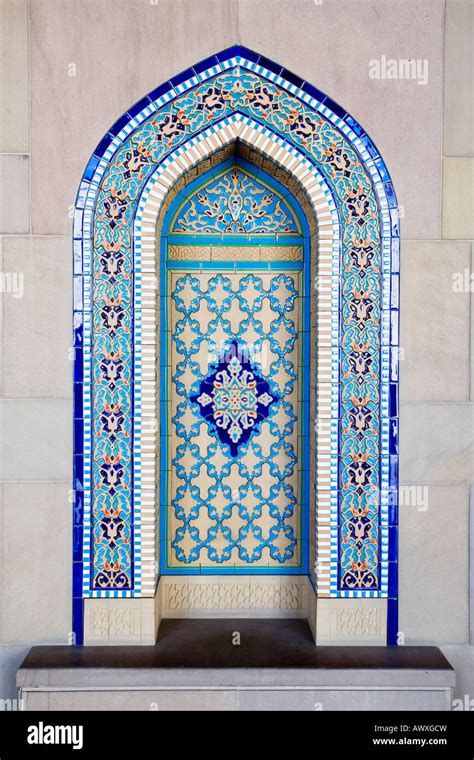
(235,203)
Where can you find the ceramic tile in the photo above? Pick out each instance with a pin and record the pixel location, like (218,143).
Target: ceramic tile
(355,206)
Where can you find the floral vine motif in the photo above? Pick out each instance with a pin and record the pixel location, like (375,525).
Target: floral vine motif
(235,203)
(235,90)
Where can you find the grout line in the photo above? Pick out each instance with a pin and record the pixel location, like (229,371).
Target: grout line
(437,403)
(443,105)
(471,332)
(470,565)
(24,482)
(28,21)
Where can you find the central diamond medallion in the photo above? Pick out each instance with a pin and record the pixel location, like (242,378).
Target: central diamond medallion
(234,398)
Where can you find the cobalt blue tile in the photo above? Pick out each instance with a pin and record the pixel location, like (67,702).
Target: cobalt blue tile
(77,580)
(78,365)
(134,110)
(393,436)
(313,92)
(292,78)
(78,508)
(393,505)
(335,108)
(371,149)
(207,63)
(270,65)
(119,124)
(393,469)
(392,622)
(103,145)
(393,400)
(393,543)
(91,167)
(180,78)
(78,471)
(382,170)
(354,125)
(78,400)
(244,52)
(78,621)
(390,192)
(77,543)
(78,436)
(392,578)
(159,91)
(230,52)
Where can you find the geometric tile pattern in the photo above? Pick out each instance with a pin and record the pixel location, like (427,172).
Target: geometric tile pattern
(235,493)
(107,201)
(234,398)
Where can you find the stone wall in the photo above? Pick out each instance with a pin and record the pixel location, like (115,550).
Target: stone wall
(69,69)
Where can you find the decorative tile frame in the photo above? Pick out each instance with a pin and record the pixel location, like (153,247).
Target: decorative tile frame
(118,202)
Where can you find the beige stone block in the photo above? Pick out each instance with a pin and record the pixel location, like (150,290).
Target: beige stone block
(146,699)
(35,439)
(434,318)
(471,569)
(11,657)
(458,198)
(433,564)
(121,622)
(14,114)
(344,699)
(462,660)
(2,295)
(14,194)
(436,443)
(351,622)
(458,126)
(175,35)
(1,577)
(471,346)
(338,64)
(37,332)
(37,562)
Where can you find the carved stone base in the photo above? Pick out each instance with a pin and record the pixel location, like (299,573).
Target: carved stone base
(351,622)
(121,621)
(234,596)
(332,621)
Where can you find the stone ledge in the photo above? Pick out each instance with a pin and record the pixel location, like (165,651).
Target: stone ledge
(276,666)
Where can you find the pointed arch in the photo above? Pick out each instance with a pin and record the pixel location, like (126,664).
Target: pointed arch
(236,95)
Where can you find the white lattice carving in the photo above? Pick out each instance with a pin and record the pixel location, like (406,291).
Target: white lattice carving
(113,622)
(358,621)
(233,596)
